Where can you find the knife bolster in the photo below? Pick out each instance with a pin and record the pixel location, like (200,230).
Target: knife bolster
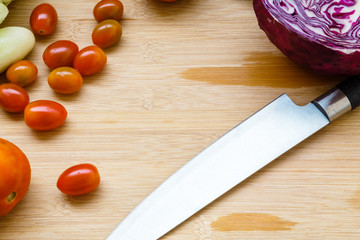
(333,104)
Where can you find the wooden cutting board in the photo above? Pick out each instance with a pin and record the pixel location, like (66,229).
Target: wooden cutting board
(183,75)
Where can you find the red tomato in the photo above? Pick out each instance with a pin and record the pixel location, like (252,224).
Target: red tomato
(79,179)
(108,9)
(13,98)
(90,60)
(65,80)
(22,73)
(107,33)
(43,115)
(43,19)
(15,175)
(60,53)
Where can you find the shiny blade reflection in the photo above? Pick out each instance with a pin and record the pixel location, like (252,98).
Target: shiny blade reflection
(238,154)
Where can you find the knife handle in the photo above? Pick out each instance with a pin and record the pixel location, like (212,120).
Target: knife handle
(351,88)
(341,99)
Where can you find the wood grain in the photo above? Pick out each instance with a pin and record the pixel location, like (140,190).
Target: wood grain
(251,222)
(182,75)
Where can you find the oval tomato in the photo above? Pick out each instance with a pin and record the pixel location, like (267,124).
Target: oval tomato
(65,80)
(108,9)
(13,98)
(79,179)
(15,175)
(22,73)
(107,33)
(60,53)
(43,19)
(90,60)
(43,115)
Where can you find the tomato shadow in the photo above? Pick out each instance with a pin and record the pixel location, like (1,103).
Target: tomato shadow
(68,97)
(33,87)
(97,76)
(7,220)
(83,200)
(50,134)
(10,221)
(14,116)
(3,78)
(114,48)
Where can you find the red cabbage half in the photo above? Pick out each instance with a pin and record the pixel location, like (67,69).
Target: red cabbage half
(323,35)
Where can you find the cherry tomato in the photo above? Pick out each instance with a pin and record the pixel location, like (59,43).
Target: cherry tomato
(15,175)
(90,60)
(79,179)
(13,98)
(107,33)
(22,73)
(108,9)
(43,115)
(60,53)
(43,19)
(65,80)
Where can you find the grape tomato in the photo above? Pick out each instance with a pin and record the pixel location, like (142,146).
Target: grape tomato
(108,9)
(13,98)
(43,19)
(44,115)
(90,60)
(65,80)
(107,33)
(79,179)
(22,73)
(60,53)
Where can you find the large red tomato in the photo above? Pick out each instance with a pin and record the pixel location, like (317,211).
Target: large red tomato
(15,174)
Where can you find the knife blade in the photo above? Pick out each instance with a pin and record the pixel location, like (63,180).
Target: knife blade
(242,151)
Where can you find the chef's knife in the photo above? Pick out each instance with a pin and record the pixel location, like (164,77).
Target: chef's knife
(242,151)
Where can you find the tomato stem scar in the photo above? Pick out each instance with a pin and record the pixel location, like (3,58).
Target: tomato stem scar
(11,197)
